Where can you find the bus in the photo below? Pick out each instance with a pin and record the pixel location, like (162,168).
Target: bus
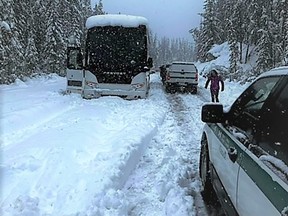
(115,60)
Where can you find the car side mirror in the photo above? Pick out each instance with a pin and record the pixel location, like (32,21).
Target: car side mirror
(212,113)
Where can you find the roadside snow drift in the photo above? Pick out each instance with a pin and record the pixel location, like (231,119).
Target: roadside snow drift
(62,154)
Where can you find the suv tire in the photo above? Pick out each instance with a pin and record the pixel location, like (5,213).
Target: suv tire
(208,192)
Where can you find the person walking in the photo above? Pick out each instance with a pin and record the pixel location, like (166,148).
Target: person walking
(215,80)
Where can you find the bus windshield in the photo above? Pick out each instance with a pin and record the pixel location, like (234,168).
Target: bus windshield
(116,49)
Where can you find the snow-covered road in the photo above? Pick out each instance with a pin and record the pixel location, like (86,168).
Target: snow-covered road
(166,181)
(62,155)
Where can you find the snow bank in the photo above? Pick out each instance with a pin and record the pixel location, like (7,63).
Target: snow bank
(63,154)
(221,63)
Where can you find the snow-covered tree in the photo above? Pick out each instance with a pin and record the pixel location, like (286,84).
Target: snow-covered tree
(280,18)
(98,9)
(265,44)
(55,41)
(10,47)
(209,31)
(245,23)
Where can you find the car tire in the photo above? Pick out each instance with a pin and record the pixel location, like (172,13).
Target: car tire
(168,89)
(208,192)
(194,91)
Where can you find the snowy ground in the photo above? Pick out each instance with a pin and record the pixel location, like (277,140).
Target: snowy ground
(62,155)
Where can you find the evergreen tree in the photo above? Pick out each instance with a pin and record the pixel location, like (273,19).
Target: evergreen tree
(10,55)
(209,34)
(75,22)
(240,25)
(265,44)
(234,57)
(39,32)
(55,48)
(24,15)
(98,9)
(196,34)
(34,35)
(223,13)
(85,12)
(280,14)
(153,47)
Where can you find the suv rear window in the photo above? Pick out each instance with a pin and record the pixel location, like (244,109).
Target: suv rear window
(183,67)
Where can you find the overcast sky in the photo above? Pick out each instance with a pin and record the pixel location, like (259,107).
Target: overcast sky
(168,18)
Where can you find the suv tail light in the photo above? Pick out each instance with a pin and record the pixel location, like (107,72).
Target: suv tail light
(167,76)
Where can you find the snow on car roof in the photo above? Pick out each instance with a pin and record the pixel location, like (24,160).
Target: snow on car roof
(115,20)
(279,71)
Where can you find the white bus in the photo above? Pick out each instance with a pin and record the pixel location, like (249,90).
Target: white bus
(115,60)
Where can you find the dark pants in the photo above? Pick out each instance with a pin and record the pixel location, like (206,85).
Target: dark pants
(214,95)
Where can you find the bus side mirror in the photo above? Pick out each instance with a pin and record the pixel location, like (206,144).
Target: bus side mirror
(150,62)
(80,60)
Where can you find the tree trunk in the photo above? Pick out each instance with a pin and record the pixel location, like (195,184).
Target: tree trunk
(247,53)
(240,51)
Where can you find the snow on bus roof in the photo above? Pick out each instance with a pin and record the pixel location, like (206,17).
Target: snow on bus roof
(115,20)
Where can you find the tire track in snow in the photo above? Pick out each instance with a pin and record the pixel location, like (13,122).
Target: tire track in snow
(211,209)
(188,113)
(166,180)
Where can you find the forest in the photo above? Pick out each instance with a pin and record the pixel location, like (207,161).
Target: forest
(249,27)
(34,35)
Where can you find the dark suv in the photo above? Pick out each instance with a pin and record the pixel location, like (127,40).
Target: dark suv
(244,149)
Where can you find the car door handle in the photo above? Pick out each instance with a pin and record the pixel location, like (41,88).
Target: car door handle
(233,154)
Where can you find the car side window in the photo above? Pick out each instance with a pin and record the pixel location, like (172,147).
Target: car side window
(273,134)
(246,111)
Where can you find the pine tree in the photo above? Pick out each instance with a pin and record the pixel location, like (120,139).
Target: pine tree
(75,23)
(280,13)
(98,9)
(153,47)
(233,38)
(223,14)
(265,44)
(25,23)
(208,34)
(85,12)
(285,33)
(55,49)
(40,32)
(196,35)
(10,55)
(240,24)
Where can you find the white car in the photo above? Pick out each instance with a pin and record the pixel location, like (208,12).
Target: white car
(244,150)
(181,76)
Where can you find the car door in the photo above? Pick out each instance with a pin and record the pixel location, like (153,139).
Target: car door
(224,150)
(232,137)
(263,176)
